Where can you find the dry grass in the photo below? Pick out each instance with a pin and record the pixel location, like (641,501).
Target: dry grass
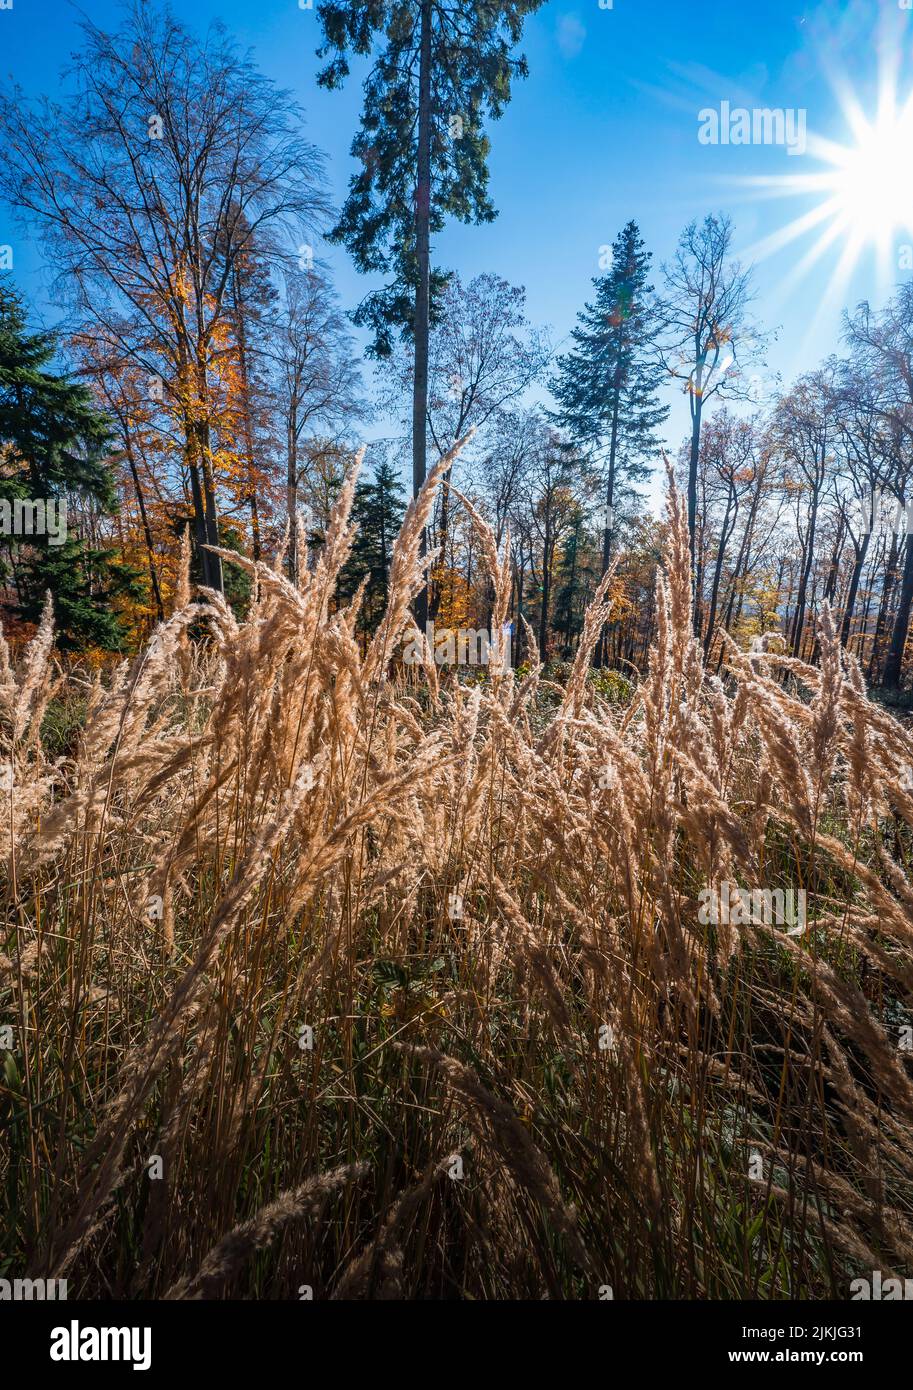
(260,832)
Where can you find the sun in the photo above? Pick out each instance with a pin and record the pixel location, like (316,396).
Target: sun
(872,182)
(859,193)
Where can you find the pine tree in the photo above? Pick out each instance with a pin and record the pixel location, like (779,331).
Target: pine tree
(53,450)
(440,69)
(607,386)
(377,508)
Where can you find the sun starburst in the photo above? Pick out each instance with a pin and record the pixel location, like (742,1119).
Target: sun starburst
(859,194)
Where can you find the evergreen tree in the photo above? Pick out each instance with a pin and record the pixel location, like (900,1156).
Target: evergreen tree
(573,585)
(607,386)
(438,71)
(378,508)
(53,454)
(89,588)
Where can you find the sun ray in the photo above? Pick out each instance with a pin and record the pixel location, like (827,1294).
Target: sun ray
(834,293)
(859,190)
(776,241)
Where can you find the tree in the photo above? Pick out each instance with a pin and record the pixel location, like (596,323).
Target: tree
(118,386)
(804,424)
(246,452)
(554,469)
(502,472)
(483,354)
(868,451)
(607,386)
(884,343)
(146,185)
(317,385)
(53,454)
(378,508)
(438,71)
(325,463)
(755,539)
(728,455)
(574,575)
(706,338)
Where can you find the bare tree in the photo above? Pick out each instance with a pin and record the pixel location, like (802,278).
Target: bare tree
(554,468)
(147,183)
(317,385)
(483,355)
(804,426)
(868,456)
(883,344)
(729,458)
(706,337)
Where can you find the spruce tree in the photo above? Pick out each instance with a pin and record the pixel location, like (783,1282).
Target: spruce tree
(377,508)
(607,386)
(53,450)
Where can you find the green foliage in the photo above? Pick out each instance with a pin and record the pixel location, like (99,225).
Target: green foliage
(574,569)
(472,71)
(377,509)
(53,448)
(611,686)
(84,584)
(607,386)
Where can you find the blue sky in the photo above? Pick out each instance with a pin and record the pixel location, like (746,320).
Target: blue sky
(605,129)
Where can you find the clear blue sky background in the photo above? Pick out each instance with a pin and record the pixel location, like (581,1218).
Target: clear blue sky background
(605,129)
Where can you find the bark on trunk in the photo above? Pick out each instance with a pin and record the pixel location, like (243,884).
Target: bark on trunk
(147,533)
(894,661)
(725,532)
(601,646)
(858,564)
(422,290)
(696,407)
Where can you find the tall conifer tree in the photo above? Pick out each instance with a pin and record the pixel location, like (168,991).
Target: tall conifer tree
(607,386)
(53,450)
(439,69)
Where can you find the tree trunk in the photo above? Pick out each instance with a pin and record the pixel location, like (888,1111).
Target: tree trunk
(858,565)
(894,662)
(890,575)
(736,592)
(546,593)
(571,592)
(422,289)
(696,407)
(440,540)
(292,497)
(147,532)
(212,563)
(601,653)
(255,526)
(196,493)
(833,574)
(808,560)
(246,414)
(725,532)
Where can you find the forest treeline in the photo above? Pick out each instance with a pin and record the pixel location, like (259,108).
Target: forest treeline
(205,380)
